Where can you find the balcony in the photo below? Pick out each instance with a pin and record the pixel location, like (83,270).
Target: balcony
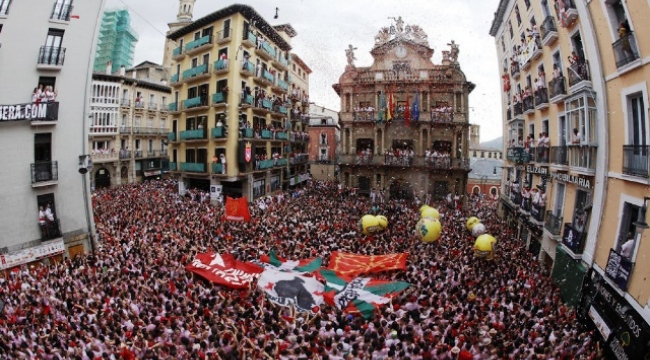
(266,51)
(178,53)
(517,154)
(283,85)
(125,154)
(559,155)
(173,107)
(196,103)
(548,31)
(541,154)
(281,162)
(553,223)
(532,51)
(172,166)
(42,114)
(528,104)
(50,58)
(541,98)
(218,132)
(198,45)
(266,134)
(197,134)
(164,107)
(514,70)
(571,13)
(582,159)
(172,136)
(281,135)
(299,159)
(45,173)
(152,106)
(219,99)
(139,154)
(247,133)
(363,115)
(265,78)
(579,76)
(125,103)
(573,239)
(515,197)
(61,12)
(625,50)
(247,101)
(196,73)
(619,269)
(220,66)
(636,160)
(265,164)
(102,131)
(249,40)
(282,64)
(248,69)
(442,116)
(51,230)
(193,167)
(139,105)
(518,109)
(440,163)
(125,130)
(217,168)
(223,36)
(557,89)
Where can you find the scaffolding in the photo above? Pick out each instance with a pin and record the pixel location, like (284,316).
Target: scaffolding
(116,41)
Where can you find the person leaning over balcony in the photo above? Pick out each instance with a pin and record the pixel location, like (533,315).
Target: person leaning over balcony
(214,159)
(41,222)
(224,61)
(223,163)
(577,138)
(623,32)
(50,94)
(628,247)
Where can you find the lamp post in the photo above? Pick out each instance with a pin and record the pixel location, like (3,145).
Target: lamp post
(640,224)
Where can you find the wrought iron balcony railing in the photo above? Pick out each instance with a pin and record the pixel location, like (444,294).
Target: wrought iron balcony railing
(44,171)
(636,160)
(625,49)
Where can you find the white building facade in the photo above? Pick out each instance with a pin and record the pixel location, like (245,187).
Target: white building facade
(43,140)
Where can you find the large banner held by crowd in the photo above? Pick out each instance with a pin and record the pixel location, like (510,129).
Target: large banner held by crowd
(304,265)
(237,209)
(360,295)
(290,288)
(352,264)
(224,270)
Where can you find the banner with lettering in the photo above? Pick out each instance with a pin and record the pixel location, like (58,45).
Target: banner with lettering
(237,209)
(224,269)
(352,264)
(31,111)
(359,295)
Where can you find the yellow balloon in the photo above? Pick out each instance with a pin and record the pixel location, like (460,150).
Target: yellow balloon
(430,212)
(429,229)
(424,207)
(484,246)
(369,224)
(383,221)
(471,222)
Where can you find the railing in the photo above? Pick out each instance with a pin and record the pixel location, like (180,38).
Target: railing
(196,71)
(267,104)
(442,116)
(193,134)
(248,100)
(283,85)
(197,101)
(125,154)
(177,51)
(299,159)
(559,155)
(125,130)
(61,11)
(578,72)
(537,212)
(541,154)
(45,171)
(173,106)
(247,133)
(51,55)
(193,167)
(541,97)
(152,106)
(4,7)
(281,135)
(217,168)
(174,78)
(282,110)
(249,67)
(268,49)
(518,109)
(281,162)
(224,34)
(218,98)
(172,166)
(207,39)
(514,70)
(218,132)
(515,196)
(268,76)
(221,65)
(139,104)
(517,154)
(51,230)
(250,37)
(636,160)
(364,116)
(284,61)
(533,48)
(625,50)
(529,103)
(102,130)
(171,136)
(266,134)
(139,154)
(557,87)
(582,156)
(265,164)
(548,28)
(553,223)
(125,102)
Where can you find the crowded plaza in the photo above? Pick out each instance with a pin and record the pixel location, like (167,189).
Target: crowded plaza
(134,298)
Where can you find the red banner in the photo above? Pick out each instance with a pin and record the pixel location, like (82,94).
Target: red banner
(353,264)
(224,270)
(237,209)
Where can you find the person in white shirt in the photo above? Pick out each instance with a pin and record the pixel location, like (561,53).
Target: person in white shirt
(628,247)
(577,138)
(223,163)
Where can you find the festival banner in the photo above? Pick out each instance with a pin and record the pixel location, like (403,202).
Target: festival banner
(287,288)
(237,209)
(305,265)
(224,270)
(389,109)
(352,264)
(359,295)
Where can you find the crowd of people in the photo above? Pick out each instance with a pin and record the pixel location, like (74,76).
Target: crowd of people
(133,297)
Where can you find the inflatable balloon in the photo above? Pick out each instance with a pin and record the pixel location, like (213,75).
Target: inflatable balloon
(383,221)
(471,222)
(424,207)
(369,224)
(429,230)
(478,229)
(484,246)
(430,213)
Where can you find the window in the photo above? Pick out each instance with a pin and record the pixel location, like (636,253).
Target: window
(150,147)
(545,9)
(512,34)
(137,145)
(52,53)
(531,130)
(206,58)
(4,7)
(50,230)
(517,15)
(578,47)
(627,231)
(637,125)
(207,31)
(226,29)
(527,2)
(545,126)
(62,10)
(323,139)
(558,204)
(580,216)
(47,81)
(617,15)
(42,147)
(152,99)
(197,35)
(581,115)
(562,130)
(259,188)
(164,101)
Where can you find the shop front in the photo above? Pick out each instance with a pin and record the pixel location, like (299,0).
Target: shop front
(50,251)
(626,334)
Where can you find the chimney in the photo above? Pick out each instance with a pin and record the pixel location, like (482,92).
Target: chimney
(122,70)
(109,67)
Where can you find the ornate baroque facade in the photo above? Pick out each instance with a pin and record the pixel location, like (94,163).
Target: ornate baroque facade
(399,110)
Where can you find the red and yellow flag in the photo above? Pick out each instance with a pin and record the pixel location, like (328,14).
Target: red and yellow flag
(237,209)
(352,264)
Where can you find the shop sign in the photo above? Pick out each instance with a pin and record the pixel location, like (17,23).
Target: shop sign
(543,171)
(33,111)
(152,173)
(35,253)
(578,180)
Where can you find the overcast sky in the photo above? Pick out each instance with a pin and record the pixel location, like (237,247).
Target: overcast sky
(326,28)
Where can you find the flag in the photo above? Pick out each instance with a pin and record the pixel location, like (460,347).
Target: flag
(224,269)
(382,106)
(352,264)
(305,265)
(416,108)
(237,209)
(407,112)
(288,288)
(389,108)
(358,295)
(74,16)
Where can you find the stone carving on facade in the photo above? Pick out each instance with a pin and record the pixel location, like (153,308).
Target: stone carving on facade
(400,31)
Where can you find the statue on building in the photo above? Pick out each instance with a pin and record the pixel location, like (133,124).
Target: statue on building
(453,53)
(401,31)
(349,52)
(382,36)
